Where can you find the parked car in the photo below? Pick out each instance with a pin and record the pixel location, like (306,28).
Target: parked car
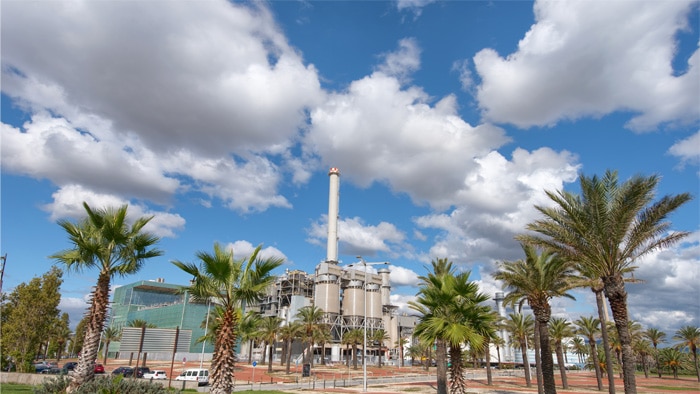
(69,366)
(124,371)
(156,374)
(40,366)
(201,376)
(142,371)
(52,371)
(99,368)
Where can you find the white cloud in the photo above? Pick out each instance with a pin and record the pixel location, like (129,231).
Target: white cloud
(587,60)
(244,249)
(402,62)
(672,276)
(190,98)
(401,276)
(68,203)
(687,150)
(357,238)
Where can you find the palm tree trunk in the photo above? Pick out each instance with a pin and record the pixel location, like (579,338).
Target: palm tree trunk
(289,355)
(562,365)
(487,353)
(223,360)
(538,357)
(658,366)
(457,382)
(526,363)
(85,370)
(354,356)
(606,342)
(596,364)
(546,354)
(441,359)
(617,296)
(269,365)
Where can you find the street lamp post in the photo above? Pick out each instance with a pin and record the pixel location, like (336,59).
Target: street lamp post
(364,347)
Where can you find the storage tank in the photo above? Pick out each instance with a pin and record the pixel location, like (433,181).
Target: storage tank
(386,286)
(354,299)
(327,293)
(374,301)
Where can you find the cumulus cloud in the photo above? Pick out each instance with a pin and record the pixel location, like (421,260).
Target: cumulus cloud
(244,249)
(401,276)
(68,203)
(687,150)
(582,59)
(496,203)
(189,98)
(415,144)
(358,238)
(671,276)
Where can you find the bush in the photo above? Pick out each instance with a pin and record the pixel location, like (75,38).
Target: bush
(104,385)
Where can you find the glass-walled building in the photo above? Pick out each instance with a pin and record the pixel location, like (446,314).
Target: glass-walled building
(160,304)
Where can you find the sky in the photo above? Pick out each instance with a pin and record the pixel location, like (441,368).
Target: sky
(448,121)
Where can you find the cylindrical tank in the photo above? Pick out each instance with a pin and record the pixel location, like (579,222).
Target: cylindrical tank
(374,301)
(327,293)
(354,299)
(386,286)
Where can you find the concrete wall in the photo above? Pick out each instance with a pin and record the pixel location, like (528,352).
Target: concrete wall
(37,378)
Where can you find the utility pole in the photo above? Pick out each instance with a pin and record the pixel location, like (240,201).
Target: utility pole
(2,270)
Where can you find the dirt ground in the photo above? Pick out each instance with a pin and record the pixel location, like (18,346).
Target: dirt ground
(325,376)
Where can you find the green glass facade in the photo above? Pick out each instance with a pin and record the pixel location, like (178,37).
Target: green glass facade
(160,304)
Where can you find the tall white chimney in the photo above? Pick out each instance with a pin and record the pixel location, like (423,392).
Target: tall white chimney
(333,197)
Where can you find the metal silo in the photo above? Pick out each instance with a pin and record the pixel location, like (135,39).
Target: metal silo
(354,299)
(327,293)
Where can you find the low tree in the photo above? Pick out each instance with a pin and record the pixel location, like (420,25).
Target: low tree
(29,313)
(109,335)
(248,329)
(689,337)
(288,333)
(673,359)
(560,329)
(379,337)
(354,338)
(520,327)
(589,327)
(310,317)
(656,337)
(322,336)
(268,334)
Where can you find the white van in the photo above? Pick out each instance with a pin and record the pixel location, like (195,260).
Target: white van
(201,376)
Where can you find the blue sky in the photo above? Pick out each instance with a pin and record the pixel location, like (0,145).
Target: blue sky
(447,120)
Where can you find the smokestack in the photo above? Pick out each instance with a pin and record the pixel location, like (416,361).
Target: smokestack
(333,197)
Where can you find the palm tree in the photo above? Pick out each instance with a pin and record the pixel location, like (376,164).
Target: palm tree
(231,284)
(643,349)
(690,338)
(140,323)
(400,343)
(322,335)
(560,329)
(578,346)
(433,303)
(607,229)
(110,334)
(656,337)
(520,326)
(310,317)
(537,279)
(105,241)
(248,329)
(288,333)
(380,336)
(589,327)
(673,359)
(268,334)
(353,338)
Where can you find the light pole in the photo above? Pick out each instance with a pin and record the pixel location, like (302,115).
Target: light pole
(364,346)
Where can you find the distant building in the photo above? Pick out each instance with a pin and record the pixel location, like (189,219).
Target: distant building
(160,304)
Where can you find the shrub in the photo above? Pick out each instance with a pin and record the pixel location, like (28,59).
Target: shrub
(104,385)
